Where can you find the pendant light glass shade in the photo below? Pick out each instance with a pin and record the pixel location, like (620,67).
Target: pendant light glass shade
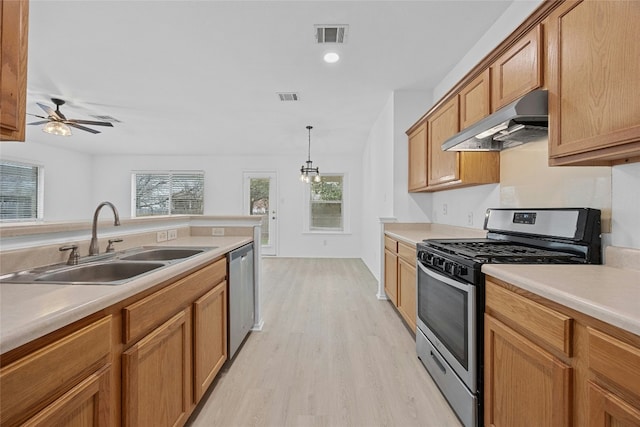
(308,172)
(57,128)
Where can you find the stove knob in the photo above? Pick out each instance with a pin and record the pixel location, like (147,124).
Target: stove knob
(448,267)
(439,262)
(463,270)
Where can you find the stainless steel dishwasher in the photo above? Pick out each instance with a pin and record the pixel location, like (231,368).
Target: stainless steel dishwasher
(241,296)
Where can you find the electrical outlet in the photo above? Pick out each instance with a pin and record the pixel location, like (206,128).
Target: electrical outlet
(470,218)
(172,234)
(217,231)
(444,209)
(161,236)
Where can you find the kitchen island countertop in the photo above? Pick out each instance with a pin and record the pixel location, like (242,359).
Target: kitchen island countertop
(30,311)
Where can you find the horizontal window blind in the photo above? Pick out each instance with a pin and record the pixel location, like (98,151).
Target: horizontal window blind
(326,199)
(169,193)
(19,188)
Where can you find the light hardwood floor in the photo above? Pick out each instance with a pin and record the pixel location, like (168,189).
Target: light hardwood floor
(330,354)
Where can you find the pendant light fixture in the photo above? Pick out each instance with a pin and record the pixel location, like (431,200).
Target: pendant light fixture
(308,172)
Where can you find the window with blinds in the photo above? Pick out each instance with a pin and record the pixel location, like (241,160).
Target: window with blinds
(20,190)
(326,212)
(168,193)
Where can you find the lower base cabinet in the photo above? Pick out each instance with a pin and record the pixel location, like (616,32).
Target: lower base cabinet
(407,305)
(209,338)
(524,384)
(156,376)
(87,405)
(400,278)
(548,365)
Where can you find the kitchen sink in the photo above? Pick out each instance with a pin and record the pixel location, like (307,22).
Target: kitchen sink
(109,271)
(115,268)
(164,254)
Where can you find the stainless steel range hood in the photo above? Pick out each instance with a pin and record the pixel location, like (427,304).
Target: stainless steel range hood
(524,120)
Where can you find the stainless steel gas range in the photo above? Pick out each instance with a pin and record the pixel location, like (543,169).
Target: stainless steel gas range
(450,287)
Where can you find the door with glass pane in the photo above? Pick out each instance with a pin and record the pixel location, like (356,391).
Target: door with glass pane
(260,198)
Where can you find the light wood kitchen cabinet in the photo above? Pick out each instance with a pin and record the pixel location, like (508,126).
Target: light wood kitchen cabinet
(418,157)
(594,107)
(518,71)
(86,405)
(400,278)
(438,170)
(57,377)
(407,305)
(475,100)
(546,364)
(156,376)
(14,30)
(524,384)
(391,276)
(442,166)
(209,337)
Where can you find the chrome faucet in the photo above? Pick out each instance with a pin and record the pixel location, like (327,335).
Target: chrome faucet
(94,249)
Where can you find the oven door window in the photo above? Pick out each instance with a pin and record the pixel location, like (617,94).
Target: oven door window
(444,310)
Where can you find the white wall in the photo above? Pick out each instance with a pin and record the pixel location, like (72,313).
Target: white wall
(68,176)
(224,193)
(625,206)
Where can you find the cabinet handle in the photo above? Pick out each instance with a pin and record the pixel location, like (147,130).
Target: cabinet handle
(438,362)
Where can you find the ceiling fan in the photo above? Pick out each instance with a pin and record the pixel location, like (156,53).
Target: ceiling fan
(56,123)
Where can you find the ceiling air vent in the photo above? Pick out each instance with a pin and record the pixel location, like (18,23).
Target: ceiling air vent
(288,96)
(331,33)
(106,118)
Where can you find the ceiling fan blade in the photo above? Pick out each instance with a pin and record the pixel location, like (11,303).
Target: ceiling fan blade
(35,115)
(50,111)
(77,126)
(89,122)
(39,123)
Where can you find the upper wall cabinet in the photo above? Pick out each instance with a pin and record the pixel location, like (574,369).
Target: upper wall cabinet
(14,17)
(518,71)
(594,64)
(475,100)
(442,166)
(418,157)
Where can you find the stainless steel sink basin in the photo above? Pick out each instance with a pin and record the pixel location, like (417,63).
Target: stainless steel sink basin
(113,271)
(163,254)
(107,269)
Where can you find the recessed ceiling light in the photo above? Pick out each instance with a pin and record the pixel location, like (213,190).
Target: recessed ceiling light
(331,57)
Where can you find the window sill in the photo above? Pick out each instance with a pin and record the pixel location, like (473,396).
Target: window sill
(339,233)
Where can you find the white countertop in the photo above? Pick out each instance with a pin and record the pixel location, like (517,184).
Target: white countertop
(29,311)
(605,293)
(413,233)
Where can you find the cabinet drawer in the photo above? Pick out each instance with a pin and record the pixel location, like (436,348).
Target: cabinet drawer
(390,244)
(407,253)
(550,326)
(142,316)
(38,378)
(615,360)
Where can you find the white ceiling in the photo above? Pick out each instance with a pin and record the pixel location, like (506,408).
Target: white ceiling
(201,77)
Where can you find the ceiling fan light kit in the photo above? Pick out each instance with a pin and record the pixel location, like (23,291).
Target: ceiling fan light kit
(308,172)
(57,124)
(57,128)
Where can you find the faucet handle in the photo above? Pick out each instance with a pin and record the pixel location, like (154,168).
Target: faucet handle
(110,247)
(74,256)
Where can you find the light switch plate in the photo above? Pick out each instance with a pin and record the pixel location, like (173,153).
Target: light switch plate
(172,234)
(161,236)
(217,231)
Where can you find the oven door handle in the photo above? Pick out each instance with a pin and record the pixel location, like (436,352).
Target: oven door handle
(456,284)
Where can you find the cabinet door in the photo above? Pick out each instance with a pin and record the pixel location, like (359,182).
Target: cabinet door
(608,410)
(418,158)
(593,80)
(209,337)
(86,405)
(517,71)
(407,292)
(443,166)
(391,276)
(524,384)
(475,100)
(156,376)
(14,29)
